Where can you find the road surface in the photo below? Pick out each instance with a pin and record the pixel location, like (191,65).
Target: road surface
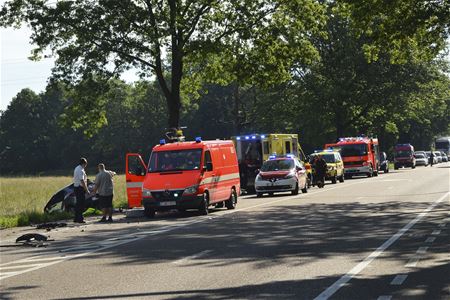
(386,237)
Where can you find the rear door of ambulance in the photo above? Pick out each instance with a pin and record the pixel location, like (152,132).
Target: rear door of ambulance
(136,170)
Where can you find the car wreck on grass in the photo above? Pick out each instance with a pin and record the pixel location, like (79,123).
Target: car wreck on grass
(65,200)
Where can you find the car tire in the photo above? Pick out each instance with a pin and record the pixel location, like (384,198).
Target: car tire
(413,166)
(341,178)
(149,212)
(204,206)
(295,191)
(231,202)
(334,180)
(271,194)
(305,189)
(259,195)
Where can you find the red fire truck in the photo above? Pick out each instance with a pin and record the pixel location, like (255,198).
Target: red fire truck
(360,155)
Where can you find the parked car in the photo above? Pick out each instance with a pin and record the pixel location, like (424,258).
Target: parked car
(438,156)
(281,174)
(335,165)
(421,159)
(384,162)
(444,156)
(435,160)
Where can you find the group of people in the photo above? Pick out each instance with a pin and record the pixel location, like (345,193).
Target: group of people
(104,187)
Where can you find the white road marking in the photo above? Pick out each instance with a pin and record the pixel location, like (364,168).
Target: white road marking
(331,290)
(385,297)
(412,263)
(430,239)
(395,180)
(442,225)
(422,250)
(436,232)
(195,256)
(399,279)
(18,267)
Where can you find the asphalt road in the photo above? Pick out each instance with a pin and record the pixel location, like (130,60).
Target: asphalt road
(386,237)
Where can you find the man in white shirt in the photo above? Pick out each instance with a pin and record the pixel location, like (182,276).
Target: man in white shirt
(80,185)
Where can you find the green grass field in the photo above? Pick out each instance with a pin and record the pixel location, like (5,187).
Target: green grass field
(22,199)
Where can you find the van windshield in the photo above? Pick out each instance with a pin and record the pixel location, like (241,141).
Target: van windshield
(277,165)
(353,150)
(180,160)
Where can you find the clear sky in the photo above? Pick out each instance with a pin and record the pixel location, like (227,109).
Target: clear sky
(18,72)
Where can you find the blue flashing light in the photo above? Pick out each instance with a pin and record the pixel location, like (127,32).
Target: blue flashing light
(162,142)
(247,137)
(289,155)
(253,137)
(263,136)
(238,138)
(272,156)
(198,139)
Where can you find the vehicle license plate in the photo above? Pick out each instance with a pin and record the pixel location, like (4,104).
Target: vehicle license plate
(167,203)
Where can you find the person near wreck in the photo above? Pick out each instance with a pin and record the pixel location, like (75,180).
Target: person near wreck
(320,166)
(81,187)
(104,187)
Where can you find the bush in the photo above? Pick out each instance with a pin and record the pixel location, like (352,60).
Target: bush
(33,217)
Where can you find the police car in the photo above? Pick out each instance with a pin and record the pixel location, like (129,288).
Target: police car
(281,174)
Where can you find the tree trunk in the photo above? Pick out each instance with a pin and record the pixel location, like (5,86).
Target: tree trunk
(237,103)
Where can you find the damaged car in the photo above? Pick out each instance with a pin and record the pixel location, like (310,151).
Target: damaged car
(65,200)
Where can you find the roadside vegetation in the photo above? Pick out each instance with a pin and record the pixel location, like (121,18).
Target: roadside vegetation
(23,199)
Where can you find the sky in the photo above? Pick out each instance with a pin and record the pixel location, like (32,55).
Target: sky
(18,72)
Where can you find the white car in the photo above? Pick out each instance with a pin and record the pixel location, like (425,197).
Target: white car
(421,159)
(281,174)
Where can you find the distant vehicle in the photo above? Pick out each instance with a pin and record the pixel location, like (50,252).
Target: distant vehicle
(444,157)
(404,156)
(253,149)
(360,155)
(421,159)
(384,162)
(65,199)
(438,156)
(185,175)
(281,174)
(443,144)
(335,165)
(435,160)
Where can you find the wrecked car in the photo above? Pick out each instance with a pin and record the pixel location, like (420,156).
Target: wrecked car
(64,199)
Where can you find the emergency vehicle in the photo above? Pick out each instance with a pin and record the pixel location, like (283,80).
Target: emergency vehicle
(184,175)
(335,164)
(360,155)
(283,173)
(253,149)
(404,156)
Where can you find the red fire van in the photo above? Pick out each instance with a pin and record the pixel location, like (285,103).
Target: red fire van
(184,175)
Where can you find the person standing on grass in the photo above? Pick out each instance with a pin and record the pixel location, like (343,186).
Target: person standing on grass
(80,185)
(104,186)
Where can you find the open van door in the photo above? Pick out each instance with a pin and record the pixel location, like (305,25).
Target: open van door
(135,174)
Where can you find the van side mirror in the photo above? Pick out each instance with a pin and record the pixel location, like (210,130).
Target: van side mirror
(208,167)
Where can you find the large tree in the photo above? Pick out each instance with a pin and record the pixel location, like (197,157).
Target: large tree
(156,37)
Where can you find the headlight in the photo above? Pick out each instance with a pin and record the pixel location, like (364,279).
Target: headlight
(146,193)
(258,177)
(290,175)
(330,168)
(191,190)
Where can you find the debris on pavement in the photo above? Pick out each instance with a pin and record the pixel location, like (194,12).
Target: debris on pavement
(33,240)
(51,225)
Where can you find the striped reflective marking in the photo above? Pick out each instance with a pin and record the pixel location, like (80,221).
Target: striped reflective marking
(220,178)
(134,184)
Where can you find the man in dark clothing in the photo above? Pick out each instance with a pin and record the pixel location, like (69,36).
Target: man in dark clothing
(80,185)
(431,158)
(320,165)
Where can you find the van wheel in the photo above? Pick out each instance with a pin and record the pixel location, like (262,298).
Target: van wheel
(295,191)
(341,178)
(334,180)
(271,194)
(231,202)
(375,173)
(259,195)
(204,206)
(149,212)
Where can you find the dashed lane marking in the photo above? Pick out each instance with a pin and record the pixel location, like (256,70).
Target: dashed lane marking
(430,240)
(192,257)
(422,250)
(399,279)
(436,232)
(385,297)
(331,290)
